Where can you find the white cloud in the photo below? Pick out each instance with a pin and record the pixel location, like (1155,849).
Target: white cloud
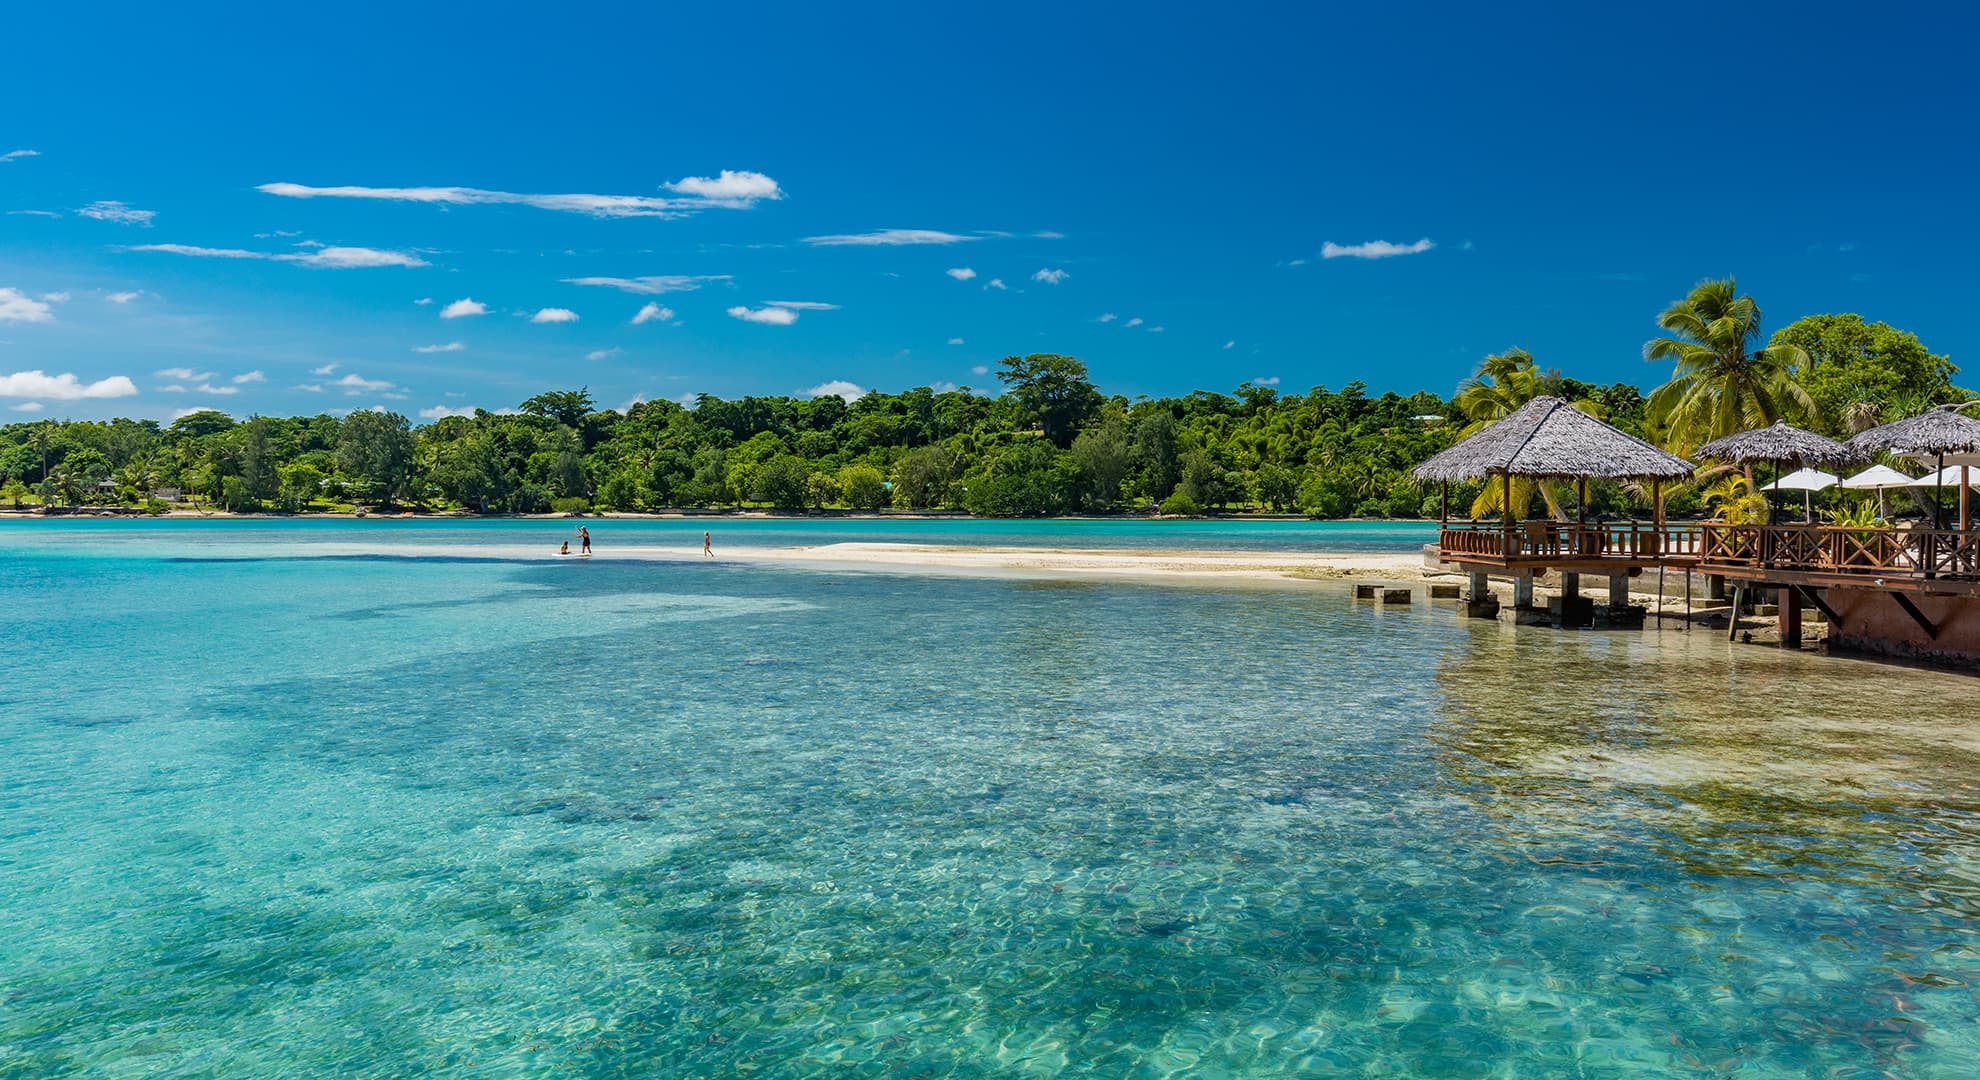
(1136,321)
(123,297)
(1108,317)
(27,406)
(730,190)
(838,388)
(452,346)
(314,388)
(601,354)
(119,212)
(955,341)
(1157,329)
(1230,344)
(56,297)
(980,369)
(1050,277)
(1269,380)
(887,238)
(1374,249)
(423,301)
(12,154)
(17,306)
(960,273)
(651,312)
(802,305)
(209,388)
(330,258)
(769,316)
(356,384)
(324,370)
(175,388)
(248,377)
(651,285)
(996,283)
(463,308)
(554,315)
(33,213)
(1048,235)
(441,412)
(183,374)
(64,387)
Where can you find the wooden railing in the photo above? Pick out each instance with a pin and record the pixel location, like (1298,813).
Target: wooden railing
(1911,553)
(1550,541)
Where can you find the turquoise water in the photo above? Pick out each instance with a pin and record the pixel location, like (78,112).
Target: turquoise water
(269,811)
(749,532)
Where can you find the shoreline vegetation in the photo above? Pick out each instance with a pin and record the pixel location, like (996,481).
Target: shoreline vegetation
(1051,445)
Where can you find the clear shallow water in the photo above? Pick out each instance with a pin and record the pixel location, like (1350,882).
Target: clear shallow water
(386,817)
(533,534)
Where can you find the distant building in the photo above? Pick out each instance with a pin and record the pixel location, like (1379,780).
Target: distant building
(168,494)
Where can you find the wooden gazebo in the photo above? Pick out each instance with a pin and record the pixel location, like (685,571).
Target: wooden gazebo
(1549,439)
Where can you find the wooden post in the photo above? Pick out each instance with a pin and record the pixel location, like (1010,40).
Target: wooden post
(1444,503)
(1581,501)
(1965,500)
(1619,590)
(1509,500)
(1657,502)
(1789,612)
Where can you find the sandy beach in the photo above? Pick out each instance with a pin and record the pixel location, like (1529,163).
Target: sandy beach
(1103,563)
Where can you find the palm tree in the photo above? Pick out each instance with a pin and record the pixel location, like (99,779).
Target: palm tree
(1505,381)
(1723,383)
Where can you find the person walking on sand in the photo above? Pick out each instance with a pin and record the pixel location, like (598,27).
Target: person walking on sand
(584,540)
(707,546)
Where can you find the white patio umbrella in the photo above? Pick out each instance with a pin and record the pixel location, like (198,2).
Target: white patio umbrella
(1950,476)
(1805,481)
(1879,477)
(1876,476)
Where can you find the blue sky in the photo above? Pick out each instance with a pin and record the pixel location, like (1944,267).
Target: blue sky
(1152,188)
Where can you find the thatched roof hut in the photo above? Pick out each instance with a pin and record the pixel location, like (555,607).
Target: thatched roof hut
(1933,432)
(1781,443)
(1547,437)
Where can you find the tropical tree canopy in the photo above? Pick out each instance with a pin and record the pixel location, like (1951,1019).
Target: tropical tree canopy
(1862,374)
(1724,380)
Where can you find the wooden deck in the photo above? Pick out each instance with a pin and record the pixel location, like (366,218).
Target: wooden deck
(1937,561)
(1539,546)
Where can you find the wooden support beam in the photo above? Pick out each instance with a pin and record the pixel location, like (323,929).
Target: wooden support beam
(1815,599)
(1917,616)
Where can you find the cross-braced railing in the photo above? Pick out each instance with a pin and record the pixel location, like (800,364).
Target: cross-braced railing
(1842,549)
(1558,542)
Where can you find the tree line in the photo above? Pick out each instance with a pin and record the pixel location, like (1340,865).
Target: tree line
(1052,443)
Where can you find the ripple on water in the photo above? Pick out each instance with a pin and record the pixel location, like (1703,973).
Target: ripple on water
(384,818)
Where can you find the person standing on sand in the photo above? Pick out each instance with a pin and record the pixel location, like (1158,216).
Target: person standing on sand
(707,546)
(584,540)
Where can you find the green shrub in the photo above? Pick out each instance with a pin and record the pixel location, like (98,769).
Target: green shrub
(1180,505)
(570,506)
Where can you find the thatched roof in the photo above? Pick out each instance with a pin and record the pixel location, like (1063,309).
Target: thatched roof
(1778,442)
(1936,431)
(1549,437)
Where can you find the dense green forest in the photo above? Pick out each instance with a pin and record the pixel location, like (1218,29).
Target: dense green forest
(1052,443)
